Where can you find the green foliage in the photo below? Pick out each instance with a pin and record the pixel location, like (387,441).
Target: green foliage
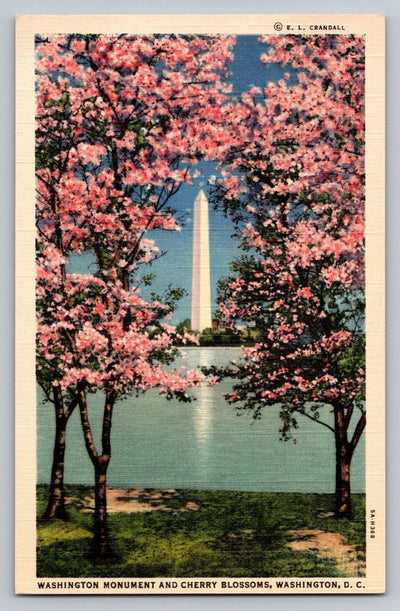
(226,534)
(185,324)
(181,328)
(220,337)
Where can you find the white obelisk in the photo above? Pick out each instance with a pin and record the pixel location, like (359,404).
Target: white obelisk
(201,291)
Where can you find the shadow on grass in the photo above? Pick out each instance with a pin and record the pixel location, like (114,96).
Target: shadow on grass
(232,534)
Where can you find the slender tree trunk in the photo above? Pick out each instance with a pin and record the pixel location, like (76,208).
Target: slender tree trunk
(343,507)
(56,502)
(101,547)
(100,541)
(344,455)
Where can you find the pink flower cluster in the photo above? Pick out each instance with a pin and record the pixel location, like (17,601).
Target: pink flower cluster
(296,186)
(121,123)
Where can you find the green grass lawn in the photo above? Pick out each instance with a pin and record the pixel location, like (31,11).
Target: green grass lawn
(233,534)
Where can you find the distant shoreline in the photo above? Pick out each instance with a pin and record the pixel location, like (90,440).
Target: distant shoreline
(208,347)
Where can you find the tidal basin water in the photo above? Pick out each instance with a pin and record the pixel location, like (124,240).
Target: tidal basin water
(201,445)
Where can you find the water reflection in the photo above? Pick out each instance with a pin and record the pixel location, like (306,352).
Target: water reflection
(203,406)
(202,414)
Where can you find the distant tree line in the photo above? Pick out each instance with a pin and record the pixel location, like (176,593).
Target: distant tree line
(220,334)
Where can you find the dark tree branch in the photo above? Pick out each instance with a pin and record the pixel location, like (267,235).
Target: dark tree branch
(358,432)
(87,432)
(316,420)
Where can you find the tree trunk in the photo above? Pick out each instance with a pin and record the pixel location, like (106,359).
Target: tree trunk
(100,541)
(343,462)
(56,503)
(343,489)
(100,548)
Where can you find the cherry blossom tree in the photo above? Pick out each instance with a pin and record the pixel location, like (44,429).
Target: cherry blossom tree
(296,193)
(85,347)
(121,120)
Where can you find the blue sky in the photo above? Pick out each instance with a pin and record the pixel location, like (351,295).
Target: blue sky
(175,268)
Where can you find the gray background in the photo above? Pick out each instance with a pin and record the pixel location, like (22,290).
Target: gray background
(8,11)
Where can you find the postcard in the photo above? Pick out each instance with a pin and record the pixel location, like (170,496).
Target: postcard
(200,304)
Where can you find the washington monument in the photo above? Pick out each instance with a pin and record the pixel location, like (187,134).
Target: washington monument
(201,292)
